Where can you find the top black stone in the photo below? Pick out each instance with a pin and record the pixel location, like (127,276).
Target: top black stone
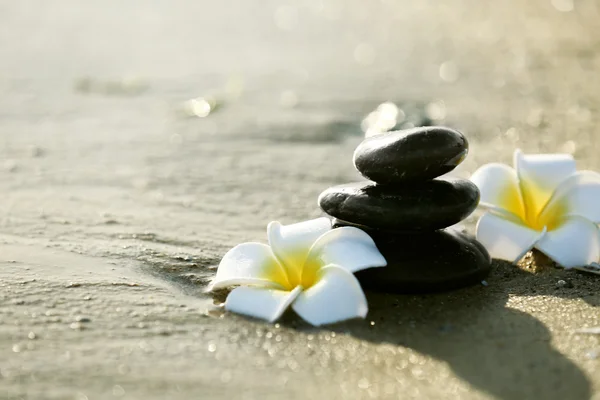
(410,155)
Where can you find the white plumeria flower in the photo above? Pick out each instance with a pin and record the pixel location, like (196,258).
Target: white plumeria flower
(543,203)
(308,265)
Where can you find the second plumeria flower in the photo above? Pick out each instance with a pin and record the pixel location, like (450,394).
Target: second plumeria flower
(307,266)
(543,203)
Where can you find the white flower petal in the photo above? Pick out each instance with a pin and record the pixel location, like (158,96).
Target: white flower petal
(574,243)
(261,303)
(499,188)
(505,239)
(347,247)
(291,243)
(336,296)
(250,264)
(539,175)
(579,194)
(593,268)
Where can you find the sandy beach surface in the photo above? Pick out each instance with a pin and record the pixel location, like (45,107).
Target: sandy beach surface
(117,203)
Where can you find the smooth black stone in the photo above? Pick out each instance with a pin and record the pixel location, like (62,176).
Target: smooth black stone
(410,155)
(425,206)
(338,223)
(428,262)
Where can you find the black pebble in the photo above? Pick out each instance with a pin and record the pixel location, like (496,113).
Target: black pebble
(428,262)
(425,206)
(410,155)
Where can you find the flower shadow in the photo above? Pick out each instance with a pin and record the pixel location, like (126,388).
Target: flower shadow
(497,349)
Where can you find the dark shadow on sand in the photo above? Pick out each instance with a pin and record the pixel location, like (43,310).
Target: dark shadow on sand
(499,350)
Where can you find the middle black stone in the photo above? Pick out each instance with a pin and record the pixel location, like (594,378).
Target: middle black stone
(423,206)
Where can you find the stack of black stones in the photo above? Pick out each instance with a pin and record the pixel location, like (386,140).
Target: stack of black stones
(406,207)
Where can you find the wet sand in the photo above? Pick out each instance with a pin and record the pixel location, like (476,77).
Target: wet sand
(117,206)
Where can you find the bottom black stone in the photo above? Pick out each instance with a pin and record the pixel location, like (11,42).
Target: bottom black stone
(426,262)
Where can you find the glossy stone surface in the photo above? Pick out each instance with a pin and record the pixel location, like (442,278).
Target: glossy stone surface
(428,262)
(338,223)
(410,155)
(425,206)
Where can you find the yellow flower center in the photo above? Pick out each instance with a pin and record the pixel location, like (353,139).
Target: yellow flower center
(310,274)
(529,204)
(296,271)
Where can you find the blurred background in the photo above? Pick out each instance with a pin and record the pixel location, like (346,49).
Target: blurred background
(147,93)
(156,134)
(162,95)
(304,71)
